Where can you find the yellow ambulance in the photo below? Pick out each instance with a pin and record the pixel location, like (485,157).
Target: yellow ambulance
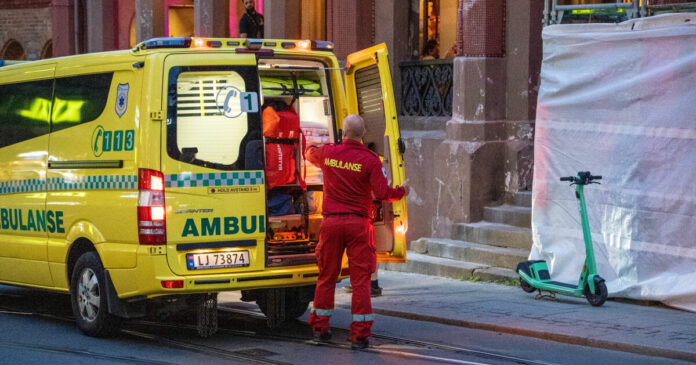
(135,180)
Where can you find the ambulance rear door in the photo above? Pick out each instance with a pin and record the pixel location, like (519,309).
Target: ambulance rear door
(212,161)
(370,94)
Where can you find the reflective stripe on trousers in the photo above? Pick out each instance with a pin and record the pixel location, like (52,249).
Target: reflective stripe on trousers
(363,317)
(323,312)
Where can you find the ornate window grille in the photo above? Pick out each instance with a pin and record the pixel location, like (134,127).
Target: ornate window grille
(426,88)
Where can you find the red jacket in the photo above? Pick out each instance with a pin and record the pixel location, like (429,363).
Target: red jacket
(352,174)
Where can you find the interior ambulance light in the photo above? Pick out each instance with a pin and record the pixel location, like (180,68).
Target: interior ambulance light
(322,46)
(166,43)
(172,284)
(252,43)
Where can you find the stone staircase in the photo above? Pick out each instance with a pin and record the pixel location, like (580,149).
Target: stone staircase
(488,250)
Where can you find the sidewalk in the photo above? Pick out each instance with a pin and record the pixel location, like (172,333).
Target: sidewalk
(646,330)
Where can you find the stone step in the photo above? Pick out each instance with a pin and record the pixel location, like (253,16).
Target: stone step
(470,252)
(514,215)
(438,266)
(495,234)
(522,198)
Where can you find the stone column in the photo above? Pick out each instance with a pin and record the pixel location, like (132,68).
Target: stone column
(350,25)
(149,19)
(101,25)
(393,15)
(282,19)
(469,162)
(63,27)
(523,65)
(211,18)
(486,152)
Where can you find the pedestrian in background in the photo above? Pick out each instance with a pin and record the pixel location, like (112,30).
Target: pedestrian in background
(352,176)
(251,24)
(431,51)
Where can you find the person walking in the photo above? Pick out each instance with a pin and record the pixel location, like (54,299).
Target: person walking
(251,23)
(352,176)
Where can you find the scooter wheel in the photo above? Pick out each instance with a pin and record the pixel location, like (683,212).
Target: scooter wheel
(525,286)
(600,295)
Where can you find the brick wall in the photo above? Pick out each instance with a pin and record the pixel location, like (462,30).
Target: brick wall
(24,4)
(30,26)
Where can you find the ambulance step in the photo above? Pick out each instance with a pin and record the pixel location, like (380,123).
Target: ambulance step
(509,214)
(495,234)
(502,257)
(438,266)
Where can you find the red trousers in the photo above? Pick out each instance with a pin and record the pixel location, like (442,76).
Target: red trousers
(354,235)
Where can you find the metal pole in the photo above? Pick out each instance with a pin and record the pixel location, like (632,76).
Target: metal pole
(554,5)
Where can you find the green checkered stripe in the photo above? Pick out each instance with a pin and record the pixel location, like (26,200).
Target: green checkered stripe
(76,183)
(22,186)
(214,179)
(104,182)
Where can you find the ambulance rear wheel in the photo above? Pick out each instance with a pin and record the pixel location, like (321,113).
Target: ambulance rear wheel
(525,286)
(295,309)
(88,298)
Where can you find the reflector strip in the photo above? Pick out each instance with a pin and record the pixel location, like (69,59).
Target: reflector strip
(323,312)
(363,317)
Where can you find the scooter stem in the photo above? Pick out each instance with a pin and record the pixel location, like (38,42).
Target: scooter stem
(589,251)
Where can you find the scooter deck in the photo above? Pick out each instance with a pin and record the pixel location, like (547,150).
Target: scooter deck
(565,285)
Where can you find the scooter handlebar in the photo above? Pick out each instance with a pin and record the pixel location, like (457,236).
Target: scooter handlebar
(598,177)
(568,178)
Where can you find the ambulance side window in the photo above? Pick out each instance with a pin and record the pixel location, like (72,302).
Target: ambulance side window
(79,99)
(24,111)
(206,124)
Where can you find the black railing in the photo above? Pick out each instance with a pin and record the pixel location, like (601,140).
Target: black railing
(426,88)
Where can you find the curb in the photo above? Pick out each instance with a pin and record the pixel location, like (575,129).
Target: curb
(569,339)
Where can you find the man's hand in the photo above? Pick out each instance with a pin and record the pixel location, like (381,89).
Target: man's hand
(407,187)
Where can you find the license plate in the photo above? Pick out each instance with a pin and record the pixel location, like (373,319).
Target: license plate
(217,260)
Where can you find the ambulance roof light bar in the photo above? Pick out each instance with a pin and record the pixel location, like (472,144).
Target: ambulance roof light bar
(156,43)
(250,45)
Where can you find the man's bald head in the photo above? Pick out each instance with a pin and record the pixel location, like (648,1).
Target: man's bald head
(353,127)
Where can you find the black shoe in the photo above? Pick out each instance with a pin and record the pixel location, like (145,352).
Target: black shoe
(322,336)
(360,344)
(375,292)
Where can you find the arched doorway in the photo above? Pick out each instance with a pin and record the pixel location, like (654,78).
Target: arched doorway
(47,50)
(13,51)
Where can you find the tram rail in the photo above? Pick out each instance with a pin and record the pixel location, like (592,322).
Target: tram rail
(151,331)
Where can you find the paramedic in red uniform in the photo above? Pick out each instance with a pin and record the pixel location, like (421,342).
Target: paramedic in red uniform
(352,174)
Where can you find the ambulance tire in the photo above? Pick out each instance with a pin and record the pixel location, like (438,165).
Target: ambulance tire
(294,306)
(88,298)
(295,310)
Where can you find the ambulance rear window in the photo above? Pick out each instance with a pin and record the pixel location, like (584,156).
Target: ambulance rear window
(206,122)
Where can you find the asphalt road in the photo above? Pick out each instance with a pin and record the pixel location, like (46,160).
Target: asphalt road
(37,327)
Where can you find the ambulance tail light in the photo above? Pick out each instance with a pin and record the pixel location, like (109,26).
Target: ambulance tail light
(152,227)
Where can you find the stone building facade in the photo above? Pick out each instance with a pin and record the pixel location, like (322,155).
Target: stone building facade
(457,164)
(25,29)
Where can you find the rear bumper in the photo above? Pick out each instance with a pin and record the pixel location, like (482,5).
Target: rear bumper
(147,276)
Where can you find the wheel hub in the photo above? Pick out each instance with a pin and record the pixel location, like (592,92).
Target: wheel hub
(88,295)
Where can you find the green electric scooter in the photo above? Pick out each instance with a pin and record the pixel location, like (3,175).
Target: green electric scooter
(534,275)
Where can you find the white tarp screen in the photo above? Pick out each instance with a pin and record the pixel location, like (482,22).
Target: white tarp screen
(619,100)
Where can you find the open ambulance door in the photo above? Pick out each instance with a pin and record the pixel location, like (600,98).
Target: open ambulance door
(370,94)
